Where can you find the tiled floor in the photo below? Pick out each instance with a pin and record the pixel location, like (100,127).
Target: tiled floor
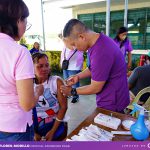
(80,110)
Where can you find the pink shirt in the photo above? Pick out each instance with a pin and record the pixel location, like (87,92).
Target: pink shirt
(15,64)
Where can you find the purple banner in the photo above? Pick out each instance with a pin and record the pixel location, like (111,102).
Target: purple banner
(75,145)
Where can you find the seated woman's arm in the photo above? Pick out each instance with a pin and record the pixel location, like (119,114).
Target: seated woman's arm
(61,113)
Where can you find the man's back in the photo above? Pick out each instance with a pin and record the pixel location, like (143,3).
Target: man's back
(139,79)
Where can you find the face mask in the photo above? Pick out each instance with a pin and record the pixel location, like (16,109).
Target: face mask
(123,38)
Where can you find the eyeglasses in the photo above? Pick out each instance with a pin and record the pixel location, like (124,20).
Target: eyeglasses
(28,26)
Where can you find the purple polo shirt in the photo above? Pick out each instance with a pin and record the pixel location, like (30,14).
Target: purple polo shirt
(126,47)
(107,64)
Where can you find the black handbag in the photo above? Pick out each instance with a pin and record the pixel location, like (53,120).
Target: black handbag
(65,62)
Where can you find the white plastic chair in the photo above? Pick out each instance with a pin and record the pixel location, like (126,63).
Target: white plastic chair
(146,105)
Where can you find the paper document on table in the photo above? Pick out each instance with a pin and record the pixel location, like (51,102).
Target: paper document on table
(69,140)
(83,137)
(121,132)
(92,133)
(102,134)
(108,121)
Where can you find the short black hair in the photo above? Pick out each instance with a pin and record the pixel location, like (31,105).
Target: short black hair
(10,12)
(120,31)
(70,24)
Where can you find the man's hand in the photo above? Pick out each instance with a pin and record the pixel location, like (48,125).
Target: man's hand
(66,90)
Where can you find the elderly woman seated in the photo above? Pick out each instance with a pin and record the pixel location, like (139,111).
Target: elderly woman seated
(52,105)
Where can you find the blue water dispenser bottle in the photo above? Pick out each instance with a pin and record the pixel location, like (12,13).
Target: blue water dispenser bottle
(139,130)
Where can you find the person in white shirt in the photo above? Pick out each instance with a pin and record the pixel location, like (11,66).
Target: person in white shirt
(76,60)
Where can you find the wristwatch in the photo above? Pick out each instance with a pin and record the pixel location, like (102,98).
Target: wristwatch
(74,92)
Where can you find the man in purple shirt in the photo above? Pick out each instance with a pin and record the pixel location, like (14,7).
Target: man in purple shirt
(107,67)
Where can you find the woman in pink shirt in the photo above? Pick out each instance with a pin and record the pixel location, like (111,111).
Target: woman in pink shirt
(17,96)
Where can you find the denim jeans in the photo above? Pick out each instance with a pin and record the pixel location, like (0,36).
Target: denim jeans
(67,74)
(18,136)
(43,130)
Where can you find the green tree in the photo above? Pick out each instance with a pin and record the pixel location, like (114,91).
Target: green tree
(23,40)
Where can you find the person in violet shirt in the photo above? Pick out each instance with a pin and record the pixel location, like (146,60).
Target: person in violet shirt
(124,44)
(107,67)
